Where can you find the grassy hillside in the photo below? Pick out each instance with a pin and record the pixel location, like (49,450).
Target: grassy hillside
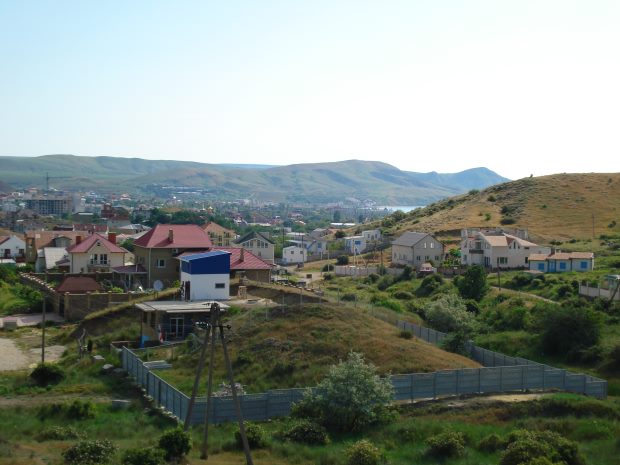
(289,347)
(559,207)
(312,182)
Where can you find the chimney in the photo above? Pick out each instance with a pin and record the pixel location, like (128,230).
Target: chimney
(241,255)
(170,235)
(78,239)
(112,237)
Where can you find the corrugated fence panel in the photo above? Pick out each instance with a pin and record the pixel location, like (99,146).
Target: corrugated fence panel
(423,386)
(445,383)
(469,380)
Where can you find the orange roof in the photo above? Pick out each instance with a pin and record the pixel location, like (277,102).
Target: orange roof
(79,285)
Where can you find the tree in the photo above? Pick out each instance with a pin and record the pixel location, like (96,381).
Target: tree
(342,260)
(449,314)
(339,234)
(350,398)
(473,284)
(568,330)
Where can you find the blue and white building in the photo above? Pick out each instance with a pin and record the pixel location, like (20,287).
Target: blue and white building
(206,275)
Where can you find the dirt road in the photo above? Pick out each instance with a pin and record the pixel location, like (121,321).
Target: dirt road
(12,357)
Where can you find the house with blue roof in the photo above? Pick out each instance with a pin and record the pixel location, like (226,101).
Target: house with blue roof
(206,275)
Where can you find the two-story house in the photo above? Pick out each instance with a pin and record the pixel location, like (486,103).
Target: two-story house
(220,236)
(157,250)
(95,253)
(495,248)
(415,249)
(12,247)
(257,243)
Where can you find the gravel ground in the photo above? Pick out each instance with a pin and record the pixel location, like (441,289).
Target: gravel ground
(12,357)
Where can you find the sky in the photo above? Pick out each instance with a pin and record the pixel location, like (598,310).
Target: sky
(520,87)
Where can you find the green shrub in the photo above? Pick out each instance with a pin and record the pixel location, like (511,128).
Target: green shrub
(257,438)
(363,453)
(342,260)
(444,445)
(148,456)
(89,452)
(348,297)
(59,433)
(373,278)
(491,443)
(328,276)
(403,295)
(448,314)
(307,432)
(525,446)
(385,282)
(473,283)
(175,443)
(507,220)
(77,410)
(46,374)
(338,403)
(429,284)
(327,267)
(456,342)
(405,334)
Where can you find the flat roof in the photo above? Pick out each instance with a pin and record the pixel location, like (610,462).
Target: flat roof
(180,306)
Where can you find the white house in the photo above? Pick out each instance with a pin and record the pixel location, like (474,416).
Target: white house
(495,248)
(355,244)
(415,249)
(560,262)
(294,254)
(205,276)
(12,247)
(372,235)
(95,253)
(258,244)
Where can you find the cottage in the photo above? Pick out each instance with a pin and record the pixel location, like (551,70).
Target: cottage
(95,253)
(560,262)
(257,243)
(12,247)
(293,254)
(415,249)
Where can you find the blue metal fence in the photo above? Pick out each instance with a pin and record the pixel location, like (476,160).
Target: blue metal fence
(501,373)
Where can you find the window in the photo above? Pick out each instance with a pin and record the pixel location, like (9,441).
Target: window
(436,258)
(418,258)
(426,258)
(562,265)
(432,245)
(425,245)
(583,265)
(103,259)
(220,285)
(161,263)
(503,260)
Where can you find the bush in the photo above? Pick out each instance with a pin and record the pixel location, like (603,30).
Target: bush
(528,447)
(59,433)
(385,282)
(363,453)
(491,443)
(448,314)
(429,285)
(444,445)
(77,410)
(350,398)
(473,283)
(46,374)
(175,443)
(257,439)
(89,452)
(568,330)
(348,297)
(507,220)
(328,276)
(307,432)
(403,295)
(342,260)
(405,334)
(327,267)
(456,342)
(143,457)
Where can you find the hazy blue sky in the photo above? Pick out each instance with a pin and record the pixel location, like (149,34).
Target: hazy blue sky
(522,87)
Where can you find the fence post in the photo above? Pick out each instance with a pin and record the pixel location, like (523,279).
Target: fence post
(411,377)
(543,377)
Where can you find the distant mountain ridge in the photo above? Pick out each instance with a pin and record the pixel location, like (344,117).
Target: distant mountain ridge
(309,182)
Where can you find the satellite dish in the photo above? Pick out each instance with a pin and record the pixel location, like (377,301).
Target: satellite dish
(158,285)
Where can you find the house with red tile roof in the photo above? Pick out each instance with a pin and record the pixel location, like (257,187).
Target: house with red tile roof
(95,253)
(158,249)
(245,263)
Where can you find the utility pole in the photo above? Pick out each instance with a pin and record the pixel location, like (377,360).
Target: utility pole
(43,333)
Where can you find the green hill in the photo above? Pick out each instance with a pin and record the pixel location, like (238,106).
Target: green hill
(312,182)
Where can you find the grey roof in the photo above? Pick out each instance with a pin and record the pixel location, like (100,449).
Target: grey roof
(53,255)
(252,235)
(409,239)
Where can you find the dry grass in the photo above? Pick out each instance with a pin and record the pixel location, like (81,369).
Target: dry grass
(556,207)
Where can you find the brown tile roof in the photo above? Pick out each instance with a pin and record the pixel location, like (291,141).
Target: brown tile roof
(45,238)
(537,257)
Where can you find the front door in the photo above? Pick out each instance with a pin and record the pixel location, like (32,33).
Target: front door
(177,327)
(551,266)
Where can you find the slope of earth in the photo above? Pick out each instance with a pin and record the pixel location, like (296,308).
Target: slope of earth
(556,207)
(293,347)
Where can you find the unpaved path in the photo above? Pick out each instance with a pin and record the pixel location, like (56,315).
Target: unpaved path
(12,357)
